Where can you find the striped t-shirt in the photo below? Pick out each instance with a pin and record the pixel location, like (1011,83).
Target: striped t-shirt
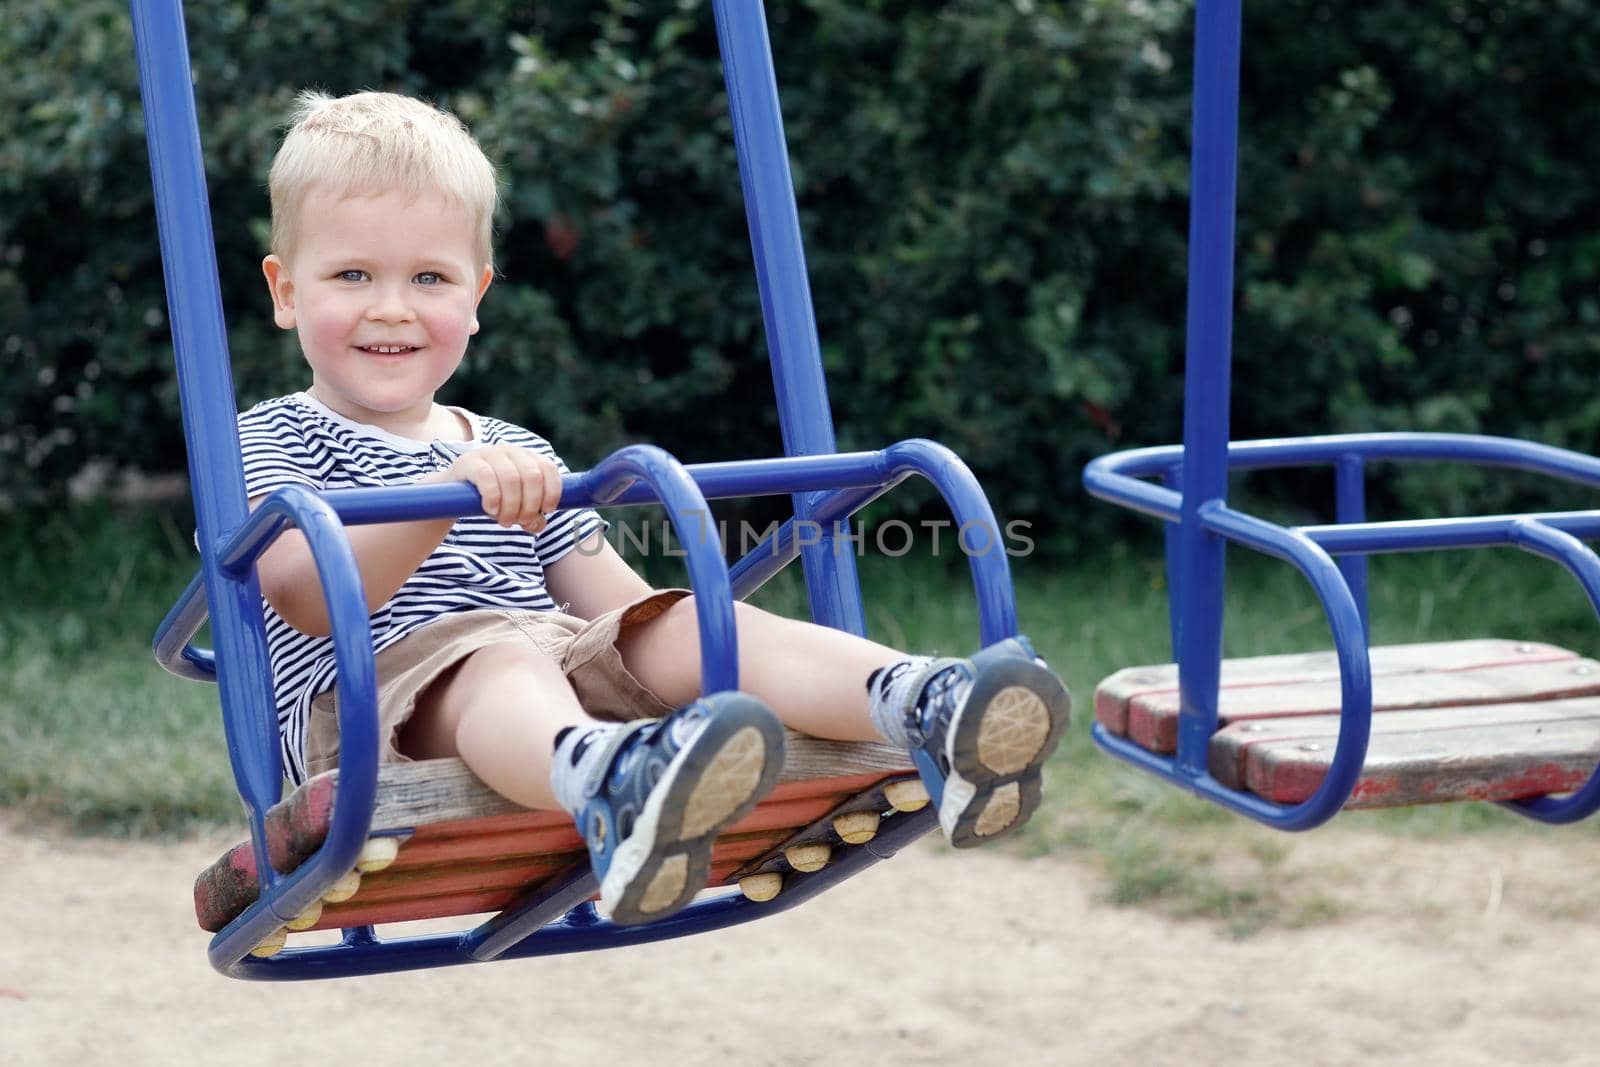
(480,564)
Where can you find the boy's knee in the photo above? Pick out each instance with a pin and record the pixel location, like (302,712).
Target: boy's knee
(490,666)
(686,613)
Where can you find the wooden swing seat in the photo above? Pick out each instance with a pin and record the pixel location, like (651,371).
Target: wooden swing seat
(466,850)
(1460,720)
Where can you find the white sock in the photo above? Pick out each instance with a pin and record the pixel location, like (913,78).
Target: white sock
(582,755)
(889,699)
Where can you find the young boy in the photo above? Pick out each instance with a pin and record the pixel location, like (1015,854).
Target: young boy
(558,676)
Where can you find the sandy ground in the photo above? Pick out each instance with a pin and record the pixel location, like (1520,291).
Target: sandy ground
(1479,951)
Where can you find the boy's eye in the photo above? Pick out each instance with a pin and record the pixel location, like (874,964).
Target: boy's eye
(428,277)
(352,275)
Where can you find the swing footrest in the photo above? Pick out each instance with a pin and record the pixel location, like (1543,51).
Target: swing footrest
(466,850)
(1460,720)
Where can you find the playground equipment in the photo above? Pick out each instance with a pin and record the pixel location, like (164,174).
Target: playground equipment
(367,845)
(1291,740)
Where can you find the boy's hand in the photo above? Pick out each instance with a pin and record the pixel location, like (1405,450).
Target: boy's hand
(519,487)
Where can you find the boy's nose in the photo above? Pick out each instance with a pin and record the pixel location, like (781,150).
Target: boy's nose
(390,306)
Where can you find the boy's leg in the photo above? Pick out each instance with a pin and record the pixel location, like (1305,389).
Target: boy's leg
(649,797)
(979,730)
(500,710)
(813,676)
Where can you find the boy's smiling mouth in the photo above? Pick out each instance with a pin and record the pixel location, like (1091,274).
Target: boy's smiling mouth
(387,350)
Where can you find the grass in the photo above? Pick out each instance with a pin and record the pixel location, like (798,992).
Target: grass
(95,738)
(93,735)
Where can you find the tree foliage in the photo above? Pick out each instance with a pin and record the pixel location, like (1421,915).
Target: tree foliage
(993,195)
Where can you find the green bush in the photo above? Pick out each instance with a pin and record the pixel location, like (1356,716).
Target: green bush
(1419,242)
(993,197)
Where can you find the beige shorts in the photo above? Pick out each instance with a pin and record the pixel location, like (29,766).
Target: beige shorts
(586,651)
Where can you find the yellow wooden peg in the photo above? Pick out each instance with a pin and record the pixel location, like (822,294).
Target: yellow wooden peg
(343,889)
(909,795)
(308,918)
(759,887)
(377,854)
(856,827)
(271,944)
(809,857)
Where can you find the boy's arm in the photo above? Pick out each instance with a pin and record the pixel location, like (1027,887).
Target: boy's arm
(518,487)
(592,579)
(385,555)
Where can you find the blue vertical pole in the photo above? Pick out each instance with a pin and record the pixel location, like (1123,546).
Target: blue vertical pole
(1207,371)
(786,309)
(200,346)
(1350,505)
(1173,479)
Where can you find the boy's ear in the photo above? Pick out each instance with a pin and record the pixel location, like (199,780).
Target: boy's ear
(483,287)
(282,288)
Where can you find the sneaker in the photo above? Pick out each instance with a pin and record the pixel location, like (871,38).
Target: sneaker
(980,730)
(663,790)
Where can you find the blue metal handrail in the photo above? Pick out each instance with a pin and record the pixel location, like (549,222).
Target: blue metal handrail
(284,896)
(842,485)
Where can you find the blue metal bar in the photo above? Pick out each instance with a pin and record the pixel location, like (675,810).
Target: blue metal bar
(838,485)
(1355,681)
(200,344)
(991,572)
(1123,484)
(595,488)
(1417,534)
(358,507)
(1173,481)
(777,551)
(1350,504)
(1349,643)
(708,571)
(497,936)
(786,309)
(969,507)
(1104,476)
(171,644)
(282,897)
(1541,540)
(1207,373)
(645,465)
(1118,478)
(845,484)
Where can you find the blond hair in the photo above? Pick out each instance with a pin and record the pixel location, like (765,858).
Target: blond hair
(371,143)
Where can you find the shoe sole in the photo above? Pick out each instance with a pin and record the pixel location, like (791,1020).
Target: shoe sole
(1012,721)
(715,780)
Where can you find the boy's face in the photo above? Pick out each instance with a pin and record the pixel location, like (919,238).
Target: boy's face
(384,292)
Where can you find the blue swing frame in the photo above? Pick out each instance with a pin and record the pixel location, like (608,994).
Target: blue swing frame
(1192,499)
(826,488)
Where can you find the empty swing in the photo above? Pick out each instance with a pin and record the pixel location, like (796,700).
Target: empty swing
(367,845)
(1292,740)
